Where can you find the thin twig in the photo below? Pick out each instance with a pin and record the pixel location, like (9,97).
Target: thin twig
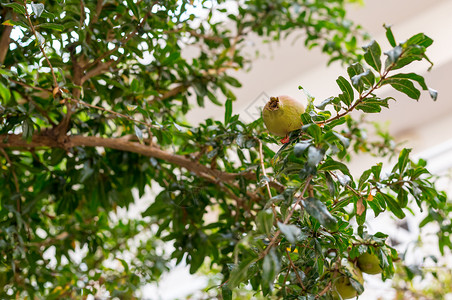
(324,290)
(261,158)
(295,269)
(275,237)
(112,112)
(27,15)
(121,42)
(30,86)
(362,97)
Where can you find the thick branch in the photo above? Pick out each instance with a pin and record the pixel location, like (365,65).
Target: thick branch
(171,93)
(4,43)
(48,141)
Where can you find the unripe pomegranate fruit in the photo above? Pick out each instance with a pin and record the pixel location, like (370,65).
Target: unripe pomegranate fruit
(369,263)
(282,115)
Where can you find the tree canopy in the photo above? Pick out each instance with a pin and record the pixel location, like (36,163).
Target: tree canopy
(93,102)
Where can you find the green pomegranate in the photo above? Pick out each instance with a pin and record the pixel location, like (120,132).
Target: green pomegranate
(282,115)
(369,263)
(343,287)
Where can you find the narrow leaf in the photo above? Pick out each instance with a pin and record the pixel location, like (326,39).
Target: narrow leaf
(239,273)
(300,148)
(17,8)
(412,76)
(270,267)
(57,27)
(4,93)
(319,211)
(393,206)
(405,86)
(133,7)
(390,35)
(291,232)
(315,156)
(403,159)
(372,55)
(347,90)
(393,55)
(228,111)
(366,78)
(37,8)
(138,133)
(265,221)
(331,165)
(15,23)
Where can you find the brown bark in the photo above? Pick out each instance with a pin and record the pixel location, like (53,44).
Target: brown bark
(49,141)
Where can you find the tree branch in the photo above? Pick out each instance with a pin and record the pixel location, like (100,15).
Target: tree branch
(171,93)
(4,43)
(47,140)
(27,15)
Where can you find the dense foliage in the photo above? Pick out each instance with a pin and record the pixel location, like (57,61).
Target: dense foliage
(93,98)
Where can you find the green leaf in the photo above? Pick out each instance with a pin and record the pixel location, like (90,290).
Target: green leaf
(372,55)
(363,179)
(330,184)
(324,103)
(412,76)
(403,159)
(5,93)
(133,7)
(354,70)
(331,165)
(390,36)
(345,141)
(291,232)
(393,55)
(402,197)
(17,8)
(53,26)
(313,130)
(40,38)
(315,156)
(138,133)
(232,81)
(270,267)
(319,211)
(419,39)
(300,148)
(366,78)
(27,129)
(405,86)
(15,23)
(240,272)
(393,206)
(265,221)
(373,105)
(37,8)
(228,111)
(346,88)
(226,292)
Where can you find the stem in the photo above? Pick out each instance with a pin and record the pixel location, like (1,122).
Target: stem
(295,269)
(362,97)
(275,237)
(27,15)
(261,157)
(112,112)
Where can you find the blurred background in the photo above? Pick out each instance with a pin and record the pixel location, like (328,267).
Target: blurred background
(425,126)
